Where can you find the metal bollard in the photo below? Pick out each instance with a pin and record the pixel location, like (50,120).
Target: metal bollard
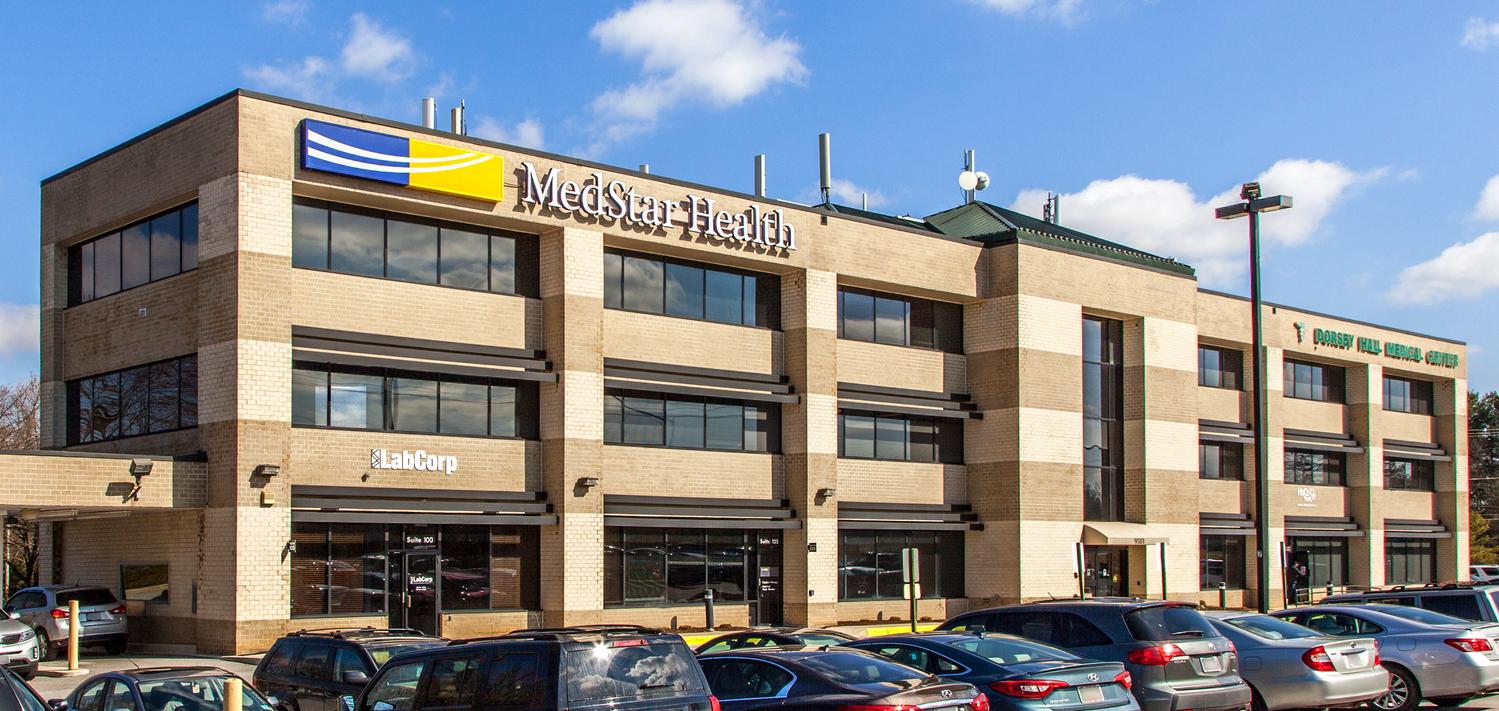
(708,607)
(1223,596)
(234,694)
(73,624)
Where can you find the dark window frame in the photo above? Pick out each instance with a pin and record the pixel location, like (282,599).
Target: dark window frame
(614,434)
(949,568)
(747,561)
(76,276)
(527,401)
(76,387)
(1416,395)
(1235,570)
(1401,553)
(767,290)
(1225,378)
(1319,468)
(1109,363)
(943,320)
(1227,452)
(1421,477)
(1323,382)
(947,437)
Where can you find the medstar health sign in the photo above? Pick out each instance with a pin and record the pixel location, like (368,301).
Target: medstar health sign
(402,161)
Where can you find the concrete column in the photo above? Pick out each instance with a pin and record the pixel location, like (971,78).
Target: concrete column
(572,425)
(809,443)
(1275,471)
(1364,473)
(1450,428)
(1166,368)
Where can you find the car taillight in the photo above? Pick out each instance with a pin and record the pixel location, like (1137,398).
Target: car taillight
(1125,679)
(118,609)
(1376,653)
(1317,659)
(1028,688)
(59,613)
(979,703)
(1231,648)
(713,701)
(1470,644)
(1156,655)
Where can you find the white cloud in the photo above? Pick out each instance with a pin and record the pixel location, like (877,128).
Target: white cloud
(706,51)
(287,12)
(20,328)
(1462,271)
(1480,33)
(1488,201)
(376,52)
(1064,11)
(309,79)
(1165,217)
(845,192)
(527,133)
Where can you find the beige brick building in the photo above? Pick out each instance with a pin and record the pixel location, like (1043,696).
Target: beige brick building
(371,398)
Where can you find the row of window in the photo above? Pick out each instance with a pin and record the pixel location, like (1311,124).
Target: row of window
(654,285)
(159,397)
(1222,460)
(152,249)
(1223,368)
(658,566)
(1315,562)
(869,563)
(1103,419)
(901,438)
(899,320)
(383,400)
(687,422)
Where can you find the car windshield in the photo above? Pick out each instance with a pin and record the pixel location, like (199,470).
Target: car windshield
(1012,651)
(1416,614)
(1271,627)
(602,671)
(1167,622)
(817,639)
(382,653)
(194,694)
(855,668)
(86,596)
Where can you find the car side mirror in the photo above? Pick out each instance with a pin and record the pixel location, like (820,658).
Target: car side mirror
(58,704)
(354,676)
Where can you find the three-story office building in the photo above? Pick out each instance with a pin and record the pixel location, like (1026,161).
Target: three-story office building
(384,374)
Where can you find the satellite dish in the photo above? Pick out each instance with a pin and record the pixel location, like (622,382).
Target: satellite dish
(968,180)
(983,180)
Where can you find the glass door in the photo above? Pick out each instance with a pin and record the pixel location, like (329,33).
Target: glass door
(766,577)
(1105,571)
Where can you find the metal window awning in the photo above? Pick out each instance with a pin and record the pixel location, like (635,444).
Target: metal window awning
(1322,527)
(1415,528)
(1120,533)
(1426,451)
(1321,441)
(371,350)
(904,401)
(352,504)
(674,379)
(1227,432)
(694,512)
(1225,524)
(868,515)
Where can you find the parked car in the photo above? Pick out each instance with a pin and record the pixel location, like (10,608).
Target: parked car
(19,650)
(310,670)
(17,695)
(1177,659)
(813,678)
(1445,660)
(161,689)
(1483,573)
(592,667)
(1470,602)
(1014,672)
(773,637)
(1289,666)
(45,607)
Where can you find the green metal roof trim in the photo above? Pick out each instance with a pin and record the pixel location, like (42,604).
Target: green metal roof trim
(913,223)
(994,225)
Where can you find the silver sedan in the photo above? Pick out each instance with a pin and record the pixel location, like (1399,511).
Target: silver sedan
(1289,666)
(1429,655)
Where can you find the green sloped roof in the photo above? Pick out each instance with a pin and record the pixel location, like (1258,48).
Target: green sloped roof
(994,225)
(912,223)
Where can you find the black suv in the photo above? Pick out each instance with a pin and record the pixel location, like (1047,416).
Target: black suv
(1177,659)
(310,670)
(620,667)
(1470,602)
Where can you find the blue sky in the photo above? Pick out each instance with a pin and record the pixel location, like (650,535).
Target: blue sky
(1379,119)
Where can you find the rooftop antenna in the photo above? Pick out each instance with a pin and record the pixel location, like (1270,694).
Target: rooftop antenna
(825,166)
(760,175)
(1053,211)
(645,168)
(971,180)
(429,112)
(864,205)
(457,118)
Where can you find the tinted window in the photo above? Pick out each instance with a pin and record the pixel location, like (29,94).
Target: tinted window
(395,689)
(91,698)
(282,658)
(121,698)
(190,237)
(1062,629)
(854,668)
(413,405)
(411,251)
(166,245)
(309,237)
(107,265)
(1309,467)
(453,682)
(1408,474)
(900,438)
(1429,616)
(383,653)
(464,408)
(1218,367)
(899,320)
(1338,624)
(644,285)
(465,260)
(1220,460)
(869,565)
(1168,622)
(29,699)
(733,679)
(316,663)
(1405,395)
(916,658)
(347,660)
(690,290)
(135,255)
(660,670)
(357,244)
(684,290)
(1273,628)
(1012,651)
(689,422)
(150,398)
(86,597)
(1460,605)
(515,682)
(1313,381)
(194,694)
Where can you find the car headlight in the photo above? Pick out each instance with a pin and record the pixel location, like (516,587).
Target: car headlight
(28,634)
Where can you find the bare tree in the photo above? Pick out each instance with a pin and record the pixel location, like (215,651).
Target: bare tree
(20,428)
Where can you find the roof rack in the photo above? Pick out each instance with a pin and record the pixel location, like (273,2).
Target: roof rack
(346,632)
(561,632)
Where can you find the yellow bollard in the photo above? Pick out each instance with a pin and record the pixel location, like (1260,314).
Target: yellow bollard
(234,694)
(73,624)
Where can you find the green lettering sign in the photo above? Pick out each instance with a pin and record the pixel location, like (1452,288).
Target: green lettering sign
(1364,344)
(1335,339)
(1402,351)
(1369,345)
(1438,358)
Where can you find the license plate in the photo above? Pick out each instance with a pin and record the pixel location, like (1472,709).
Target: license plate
(92,616)
(1090,694)
(1211,665)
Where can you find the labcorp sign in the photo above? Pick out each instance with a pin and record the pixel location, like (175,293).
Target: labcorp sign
(418,461)
(617,201)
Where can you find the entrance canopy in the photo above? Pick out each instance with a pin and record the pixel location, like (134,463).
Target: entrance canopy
(1120,533)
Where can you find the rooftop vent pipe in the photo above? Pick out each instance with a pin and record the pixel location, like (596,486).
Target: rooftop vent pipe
(760,175)
(458,126)
(645,168)
(429,112)
(825,166)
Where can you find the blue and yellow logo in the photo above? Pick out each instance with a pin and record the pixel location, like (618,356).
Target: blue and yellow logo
(402,161)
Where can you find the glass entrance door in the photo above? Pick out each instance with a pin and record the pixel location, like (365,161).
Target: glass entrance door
(414,591)
(766,577)
(1106,571)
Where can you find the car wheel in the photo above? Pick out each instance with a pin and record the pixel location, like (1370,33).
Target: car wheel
(1404,693)
(114,649)
(1452,700)
(44,646)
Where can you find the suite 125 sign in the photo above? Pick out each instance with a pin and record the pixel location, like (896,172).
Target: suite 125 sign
(398,160)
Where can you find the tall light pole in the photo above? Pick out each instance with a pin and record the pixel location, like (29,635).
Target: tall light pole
(1252,205)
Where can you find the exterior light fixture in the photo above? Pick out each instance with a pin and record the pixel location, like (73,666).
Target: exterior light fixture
(267,470)
(827,492)
(140,467)
(588,482)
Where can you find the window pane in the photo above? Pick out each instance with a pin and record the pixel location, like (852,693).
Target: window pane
(725,297)
(1208,461)
(923,440)
(1093,340)
(502,264)
(309,569)
(614,280)
(453,682)
(309,236)
(887,565)
(890,321)
(645,285)
(187,389)
(357,401)
(82,393)
(86,272)
(757,428)
(645,565)
(686,565)
(858,316)
(358,244)
(107,265)
(133,400)
(890,438)
(106,420)
(166,245)
(644,420)
(413,405)
(190,237)
(754,303)
(727,552)
(135,255)
(411,251)
(857,553)
(614,564)
(923,326)
(309,397)
(725,425)
(163,399)
(613,419)
(684,291)
(503,421)
(858,436)
(465,260)
(464,408)
(357,568)
(684,424)
(465,566)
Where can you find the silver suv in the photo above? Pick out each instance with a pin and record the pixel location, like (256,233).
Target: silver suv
(45,607)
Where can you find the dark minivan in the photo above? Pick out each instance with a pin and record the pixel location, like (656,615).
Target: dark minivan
(620,667)
(310,670)
(1177,659)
